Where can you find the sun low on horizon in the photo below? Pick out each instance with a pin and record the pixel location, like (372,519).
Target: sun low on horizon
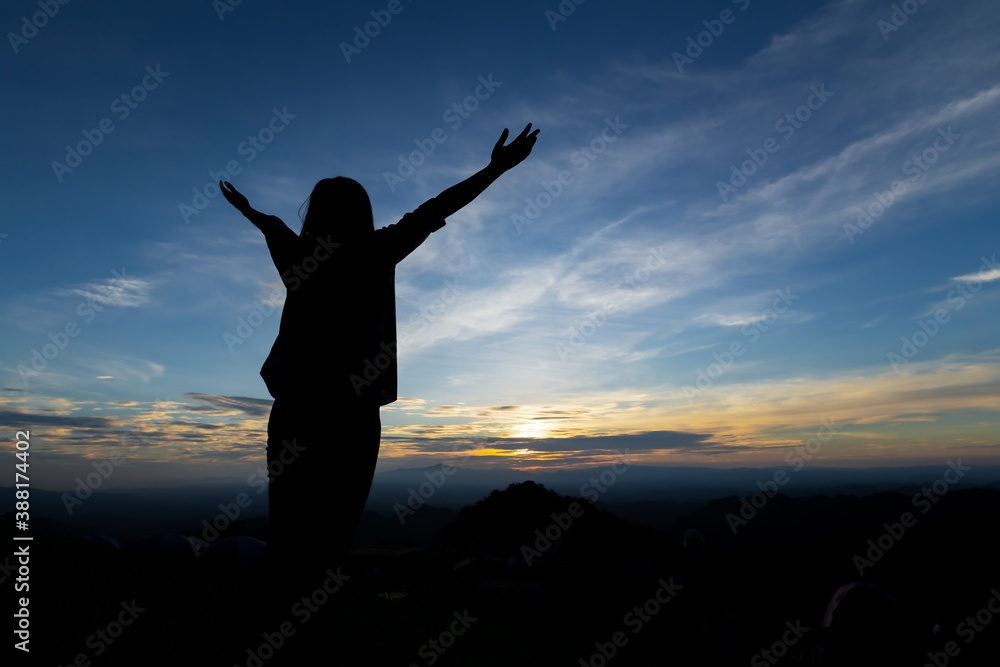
(744,227)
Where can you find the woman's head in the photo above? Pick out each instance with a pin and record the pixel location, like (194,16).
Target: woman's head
(338,208)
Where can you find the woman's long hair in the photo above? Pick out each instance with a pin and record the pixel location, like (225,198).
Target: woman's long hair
(338,208)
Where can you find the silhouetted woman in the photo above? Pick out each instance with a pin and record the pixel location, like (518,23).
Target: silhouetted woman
(333,363)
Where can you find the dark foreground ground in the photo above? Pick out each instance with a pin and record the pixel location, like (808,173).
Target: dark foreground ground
(527,578)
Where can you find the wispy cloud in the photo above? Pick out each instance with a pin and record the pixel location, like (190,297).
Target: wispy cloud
(121,292)
(256,407)
(984,275)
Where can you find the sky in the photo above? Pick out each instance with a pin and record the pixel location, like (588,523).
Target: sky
(745,228)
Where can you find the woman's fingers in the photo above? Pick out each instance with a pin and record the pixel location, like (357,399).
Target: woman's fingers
(524,136)
(233,196)
(518,149)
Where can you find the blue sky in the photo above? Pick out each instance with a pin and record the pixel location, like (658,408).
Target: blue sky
(740,219)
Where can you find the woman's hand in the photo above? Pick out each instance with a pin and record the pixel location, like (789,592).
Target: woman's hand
(232,195)
(508,157)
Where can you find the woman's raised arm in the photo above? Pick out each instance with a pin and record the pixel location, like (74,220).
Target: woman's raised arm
(502,159)
(261,221)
